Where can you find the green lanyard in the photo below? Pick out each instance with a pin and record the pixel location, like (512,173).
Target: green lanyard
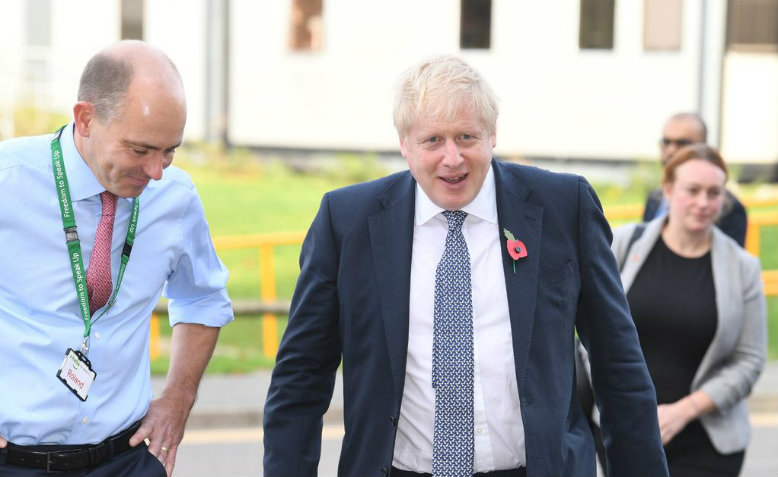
(74,245)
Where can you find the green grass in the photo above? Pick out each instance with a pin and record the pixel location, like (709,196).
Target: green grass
(241,196)
(772,327)
(769,258)
(244,197)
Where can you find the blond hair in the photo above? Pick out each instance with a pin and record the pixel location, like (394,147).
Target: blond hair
(440,88)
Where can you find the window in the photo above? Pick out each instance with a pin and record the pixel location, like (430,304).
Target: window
(132,20)
(306,28)
(662,24)
(596,24)
(752,25)
(475,24)
(38,22)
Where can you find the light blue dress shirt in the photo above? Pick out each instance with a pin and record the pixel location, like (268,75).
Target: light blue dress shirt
(39,315)
(662,209)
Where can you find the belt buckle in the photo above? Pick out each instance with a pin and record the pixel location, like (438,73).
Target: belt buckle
(48,463)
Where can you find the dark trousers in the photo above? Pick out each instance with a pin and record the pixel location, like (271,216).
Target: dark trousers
(691,454)
(137,462)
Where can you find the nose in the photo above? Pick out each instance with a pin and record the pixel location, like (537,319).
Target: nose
(153,167)
(703,200)
(451,155)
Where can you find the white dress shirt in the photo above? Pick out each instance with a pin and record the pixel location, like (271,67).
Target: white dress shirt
(39,314)
(498,428)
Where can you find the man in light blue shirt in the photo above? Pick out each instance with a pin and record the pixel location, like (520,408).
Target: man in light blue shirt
(128,122)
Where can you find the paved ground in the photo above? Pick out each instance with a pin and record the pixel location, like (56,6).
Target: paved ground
(237,400)
(227,421)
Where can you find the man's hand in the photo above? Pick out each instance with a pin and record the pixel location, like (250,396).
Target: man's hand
(163,426)
(673,418)
(191,348)
(3,442)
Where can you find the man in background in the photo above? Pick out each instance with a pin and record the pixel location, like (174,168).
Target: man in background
(75,390)
(681,130)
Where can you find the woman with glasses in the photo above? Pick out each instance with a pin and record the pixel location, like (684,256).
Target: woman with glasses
(699,308)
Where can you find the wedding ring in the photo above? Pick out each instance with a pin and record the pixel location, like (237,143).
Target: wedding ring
(163,448)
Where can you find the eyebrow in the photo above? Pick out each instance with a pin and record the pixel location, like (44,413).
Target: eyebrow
(141,145)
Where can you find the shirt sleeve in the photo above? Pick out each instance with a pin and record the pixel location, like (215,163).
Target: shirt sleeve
(196,287)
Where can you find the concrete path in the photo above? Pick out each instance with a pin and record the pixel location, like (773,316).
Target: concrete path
(238,400)
(226,421)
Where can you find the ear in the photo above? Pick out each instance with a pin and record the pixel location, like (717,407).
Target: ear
(403,148)
(83,115)
(494,139)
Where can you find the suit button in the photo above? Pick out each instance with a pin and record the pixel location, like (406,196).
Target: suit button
(394,420)
(384,471)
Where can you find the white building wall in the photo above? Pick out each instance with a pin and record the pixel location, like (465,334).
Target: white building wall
(750,108)
(565,102)
(47,77)
(178,27)
(10,63)
(556,100)
(73,41)
(341,96)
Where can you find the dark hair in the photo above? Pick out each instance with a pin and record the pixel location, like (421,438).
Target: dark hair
(104,83)
(694,151)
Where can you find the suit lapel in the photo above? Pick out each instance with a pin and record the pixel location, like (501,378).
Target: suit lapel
(391,238)
(524,220)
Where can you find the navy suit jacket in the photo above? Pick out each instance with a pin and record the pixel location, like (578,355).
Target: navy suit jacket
(351,303)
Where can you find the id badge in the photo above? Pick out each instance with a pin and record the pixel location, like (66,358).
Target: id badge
(76,373)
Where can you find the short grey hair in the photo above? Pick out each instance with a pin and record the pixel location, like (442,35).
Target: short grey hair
(684,116)
(107,76)
(438,88)
(104,83)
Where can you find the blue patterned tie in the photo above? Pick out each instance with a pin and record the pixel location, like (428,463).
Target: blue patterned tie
(452,356)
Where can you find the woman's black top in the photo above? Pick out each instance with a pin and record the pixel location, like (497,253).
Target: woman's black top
(673,303)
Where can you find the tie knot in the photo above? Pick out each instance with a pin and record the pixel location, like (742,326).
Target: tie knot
(109,203)
(455,219)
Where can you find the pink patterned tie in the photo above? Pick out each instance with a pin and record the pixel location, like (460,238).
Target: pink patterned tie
(98,277)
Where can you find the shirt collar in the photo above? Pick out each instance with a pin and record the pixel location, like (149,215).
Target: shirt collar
(484,206)
(83,184)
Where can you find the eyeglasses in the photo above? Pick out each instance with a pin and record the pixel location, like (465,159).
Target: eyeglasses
(666,141)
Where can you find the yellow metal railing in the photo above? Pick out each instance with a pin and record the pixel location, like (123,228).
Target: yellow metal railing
(635,211)
(753,245)
(266,243)
(753,231)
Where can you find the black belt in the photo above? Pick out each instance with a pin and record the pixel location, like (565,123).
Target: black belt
(69,457)
(520,472)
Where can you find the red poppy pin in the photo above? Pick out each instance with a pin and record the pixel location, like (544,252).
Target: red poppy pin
(516,248)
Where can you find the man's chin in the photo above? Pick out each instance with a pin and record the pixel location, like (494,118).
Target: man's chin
(453,203)
(131,188)
(129,192)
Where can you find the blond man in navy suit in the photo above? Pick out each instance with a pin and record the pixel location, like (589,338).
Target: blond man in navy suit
(365,299)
